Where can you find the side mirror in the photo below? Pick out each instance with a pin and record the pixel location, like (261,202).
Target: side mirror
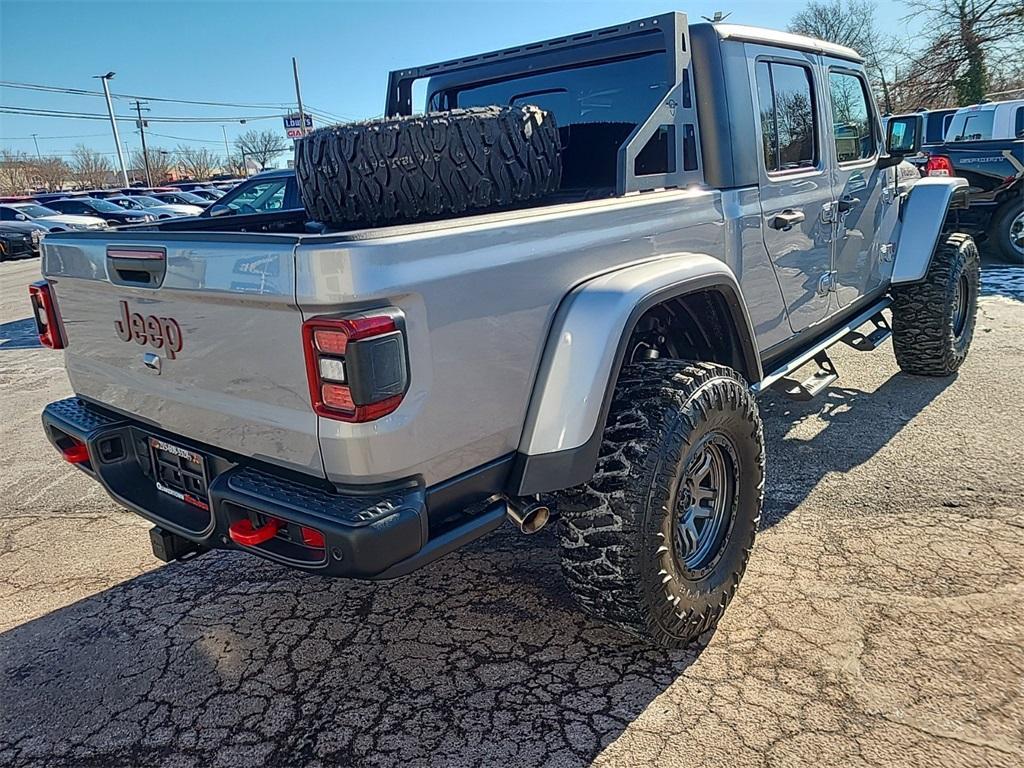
(903,136)
(21,217)
(217,209)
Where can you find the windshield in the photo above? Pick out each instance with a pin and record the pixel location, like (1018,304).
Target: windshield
(971,126)
(35,211)
(265,195)
(105,206)
(146,201)
(188,196)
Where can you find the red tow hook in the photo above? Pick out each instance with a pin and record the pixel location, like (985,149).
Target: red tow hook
(78,453)
(242,532)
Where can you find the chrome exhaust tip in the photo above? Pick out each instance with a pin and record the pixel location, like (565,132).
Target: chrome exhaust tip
(528,517)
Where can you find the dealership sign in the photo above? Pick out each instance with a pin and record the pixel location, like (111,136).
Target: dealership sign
(292,123)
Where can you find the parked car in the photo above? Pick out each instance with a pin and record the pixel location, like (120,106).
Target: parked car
(53,220)
(181,198)
(45,198)
(985,145)
(585,324)
(16,245)
(33,231)
(103,209)
(150,205)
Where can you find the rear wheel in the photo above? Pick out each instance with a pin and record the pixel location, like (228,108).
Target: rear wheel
(1008,232)
(933,320)
(658,541)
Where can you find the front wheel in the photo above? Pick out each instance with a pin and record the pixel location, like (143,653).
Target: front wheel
(933,320)
(657,542)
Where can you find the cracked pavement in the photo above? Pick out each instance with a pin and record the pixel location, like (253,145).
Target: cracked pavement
(881,620)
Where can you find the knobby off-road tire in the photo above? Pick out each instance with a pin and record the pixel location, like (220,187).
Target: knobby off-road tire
(1007,231)
(628,554)
(933,320)
(405,169)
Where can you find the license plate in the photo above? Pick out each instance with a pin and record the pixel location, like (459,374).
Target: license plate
(180,473)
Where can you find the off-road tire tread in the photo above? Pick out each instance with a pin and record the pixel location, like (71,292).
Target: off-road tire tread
(922,313)
(606,524)
(404,169)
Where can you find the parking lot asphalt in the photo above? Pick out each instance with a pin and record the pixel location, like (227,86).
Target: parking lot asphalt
(881,620)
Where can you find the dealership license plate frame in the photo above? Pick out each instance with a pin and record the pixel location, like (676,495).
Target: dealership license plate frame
(190,466)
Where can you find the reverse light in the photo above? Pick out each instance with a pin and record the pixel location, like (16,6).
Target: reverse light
(356,365)
(44,309)
(938,165)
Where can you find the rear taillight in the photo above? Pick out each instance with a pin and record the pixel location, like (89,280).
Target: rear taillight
(356,365)
(938,165)
(44,309)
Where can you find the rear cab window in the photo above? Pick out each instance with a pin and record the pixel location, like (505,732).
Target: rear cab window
(971,125)
(596,108)
(788,116)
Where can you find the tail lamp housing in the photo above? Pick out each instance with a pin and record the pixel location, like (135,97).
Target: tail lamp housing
(357,365)
(44,310)
(938,165)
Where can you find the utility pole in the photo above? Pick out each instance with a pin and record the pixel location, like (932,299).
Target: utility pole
(227,152)
(142,134)
(36,142)
(114,123)
(298,98)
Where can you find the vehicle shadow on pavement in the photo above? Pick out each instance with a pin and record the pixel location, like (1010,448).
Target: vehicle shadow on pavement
(480,658)
(836,432)
(19,334)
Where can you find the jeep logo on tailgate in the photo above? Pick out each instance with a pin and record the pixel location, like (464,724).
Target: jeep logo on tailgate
(160,332)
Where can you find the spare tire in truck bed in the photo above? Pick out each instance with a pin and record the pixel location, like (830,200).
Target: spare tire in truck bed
(402,169)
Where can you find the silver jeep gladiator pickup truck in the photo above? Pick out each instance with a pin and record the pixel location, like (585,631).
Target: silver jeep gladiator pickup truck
(558,289)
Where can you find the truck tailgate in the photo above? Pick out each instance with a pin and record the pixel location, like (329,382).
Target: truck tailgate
(212,351)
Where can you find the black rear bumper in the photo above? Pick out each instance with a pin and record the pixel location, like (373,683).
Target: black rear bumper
(378,532)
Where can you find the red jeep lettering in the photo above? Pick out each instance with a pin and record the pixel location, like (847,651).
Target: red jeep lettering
(159,332)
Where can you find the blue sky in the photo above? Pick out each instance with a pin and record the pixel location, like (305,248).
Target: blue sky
(234,51)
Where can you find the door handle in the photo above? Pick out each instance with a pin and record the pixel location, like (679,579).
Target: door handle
(787,219)
(847,203)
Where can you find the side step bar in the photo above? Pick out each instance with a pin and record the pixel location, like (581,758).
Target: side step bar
(781,377)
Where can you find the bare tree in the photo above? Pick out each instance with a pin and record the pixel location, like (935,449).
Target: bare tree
(14,172)
(197,163)
(966,42)
(261,146)
(852,23)
(89,168)
(160,163)
(234,165)
(51,172)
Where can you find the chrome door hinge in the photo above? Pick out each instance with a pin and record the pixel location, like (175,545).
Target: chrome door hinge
(827,282)
(828,212)
(887,251)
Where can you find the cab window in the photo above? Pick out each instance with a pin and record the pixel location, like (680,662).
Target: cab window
(788,116)
(851,117)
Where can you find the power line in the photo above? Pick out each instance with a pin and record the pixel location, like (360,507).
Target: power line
(78,136)
(84,92)
(185,138)
(36,112)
